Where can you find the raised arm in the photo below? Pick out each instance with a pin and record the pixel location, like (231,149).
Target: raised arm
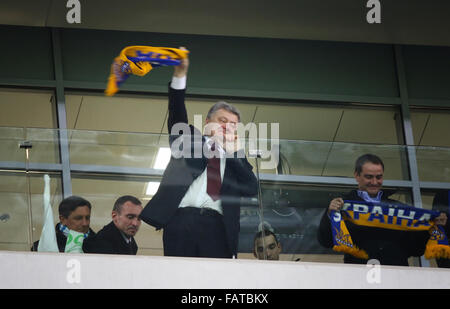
(177,88)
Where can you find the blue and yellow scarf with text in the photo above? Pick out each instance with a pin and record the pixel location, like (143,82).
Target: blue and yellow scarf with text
(389,216)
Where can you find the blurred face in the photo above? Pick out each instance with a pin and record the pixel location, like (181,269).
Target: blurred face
(78,220)
(370,179)
(127,220)
(222,122)
(273,249)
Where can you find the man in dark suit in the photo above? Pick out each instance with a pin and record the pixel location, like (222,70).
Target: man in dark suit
(74,214)
(389,247)
(118,236)
(198,200)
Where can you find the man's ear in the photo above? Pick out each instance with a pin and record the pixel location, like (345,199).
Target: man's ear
(62,220)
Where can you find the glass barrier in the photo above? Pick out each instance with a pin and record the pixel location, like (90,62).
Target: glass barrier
(22,207)
(43,143)
(138,150)
(316,158)
(433,163)
(116,163)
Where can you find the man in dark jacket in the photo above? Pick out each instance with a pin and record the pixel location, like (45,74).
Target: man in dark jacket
(118,236)
(389,247)
(198,200)
(74,214)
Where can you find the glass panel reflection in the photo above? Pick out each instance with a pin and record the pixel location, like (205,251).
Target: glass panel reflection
(20,226)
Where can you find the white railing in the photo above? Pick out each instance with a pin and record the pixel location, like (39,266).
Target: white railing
(61,271)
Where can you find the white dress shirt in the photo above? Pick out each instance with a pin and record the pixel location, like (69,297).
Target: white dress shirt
(196,195)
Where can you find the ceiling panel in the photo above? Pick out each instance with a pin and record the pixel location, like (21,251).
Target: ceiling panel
(72,109)
(368,126)
(26,109)
(418,121)
(305,123)
(437,132)
(118,114)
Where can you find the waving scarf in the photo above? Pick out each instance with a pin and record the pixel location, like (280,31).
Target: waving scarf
(389,216)
(139,60)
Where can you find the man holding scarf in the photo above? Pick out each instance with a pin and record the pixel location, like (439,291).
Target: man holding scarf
(198,201)
(74,215)
(389,247)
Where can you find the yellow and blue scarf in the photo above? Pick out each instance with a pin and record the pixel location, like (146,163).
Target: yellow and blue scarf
(389,216)
(139,60)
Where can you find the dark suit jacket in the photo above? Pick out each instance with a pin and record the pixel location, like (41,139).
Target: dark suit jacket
(390,247)
(109,240)
(238,181)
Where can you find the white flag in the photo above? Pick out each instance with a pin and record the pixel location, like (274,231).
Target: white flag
(47,242)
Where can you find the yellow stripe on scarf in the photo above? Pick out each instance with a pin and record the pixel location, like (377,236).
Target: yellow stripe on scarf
(387,216)
(123,66)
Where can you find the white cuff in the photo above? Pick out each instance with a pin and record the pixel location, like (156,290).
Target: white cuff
(178,83)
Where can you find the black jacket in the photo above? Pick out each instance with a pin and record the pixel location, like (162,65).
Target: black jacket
(238,181)
(61,239)
(109,240)
(441,203)
(390,247)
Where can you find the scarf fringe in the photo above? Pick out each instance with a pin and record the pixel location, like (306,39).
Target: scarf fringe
(356,252)
(437,252)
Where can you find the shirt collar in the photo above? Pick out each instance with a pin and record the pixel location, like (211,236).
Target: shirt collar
(366,197)
(209,141)
(125,237)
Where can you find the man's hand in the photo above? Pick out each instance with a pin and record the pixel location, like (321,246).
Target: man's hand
(232,143)
(225,137)
(441,219)
(181,69)
(335,204)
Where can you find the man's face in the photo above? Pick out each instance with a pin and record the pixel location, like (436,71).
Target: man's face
(127,220)
(222,122)
(273,249)
(78,220)
(371,178)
